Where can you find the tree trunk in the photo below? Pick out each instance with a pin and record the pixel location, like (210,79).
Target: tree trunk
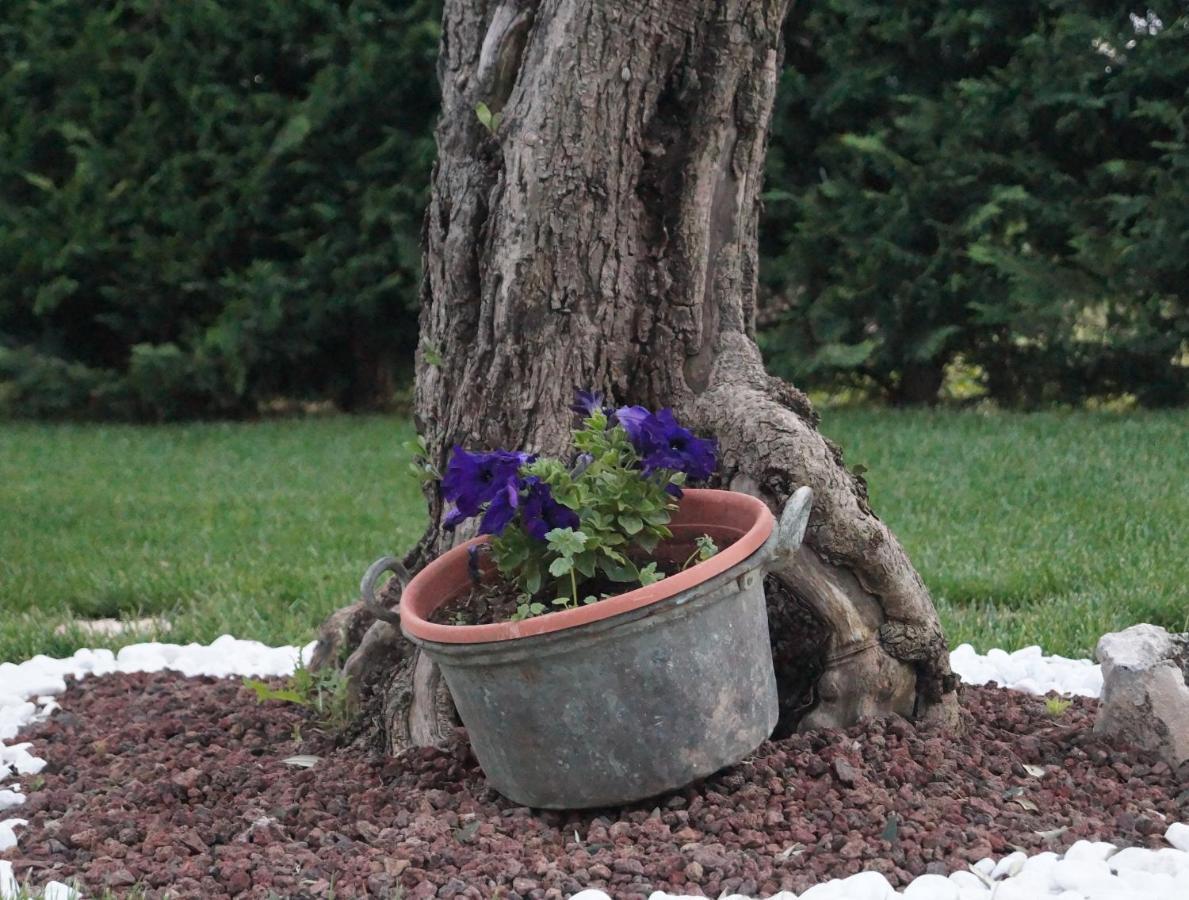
(601,233)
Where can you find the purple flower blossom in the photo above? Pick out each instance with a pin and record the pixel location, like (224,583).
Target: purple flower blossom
(473,479)
(664,444)
(581,463)
(587,403)
(637,422)
(541,513)
(682,450)
(502,508)
(473,562)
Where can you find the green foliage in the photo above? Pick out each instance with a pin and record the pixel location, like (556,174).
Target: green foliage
(704,548)
(488,119)
(324,693)
(1055,528)
(207,205)
(623,515)
(1056,706)
(1001,184)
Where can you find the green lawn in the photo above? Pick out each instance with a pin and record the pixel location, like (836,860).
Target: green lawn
(1047,528)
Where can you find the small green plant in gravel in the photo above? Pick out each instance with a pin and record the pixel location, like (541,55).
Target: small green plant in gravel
(324,693)
(1056,706)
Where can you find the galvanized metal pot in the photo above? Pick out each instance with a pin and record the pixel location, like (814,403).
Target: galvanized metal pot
(632,696)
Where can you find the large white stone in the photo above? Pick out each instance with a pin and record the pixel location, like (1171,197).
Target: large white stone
(931,887)
(8,837)
(1178,836)
(1145,696)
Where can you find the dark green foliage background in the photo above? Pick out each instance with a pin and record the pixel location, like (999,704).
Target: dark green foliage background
(206,206)
(1002,183)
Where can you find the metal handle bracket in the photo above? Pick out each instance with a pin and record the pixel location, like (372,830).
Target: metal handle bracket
(367,587)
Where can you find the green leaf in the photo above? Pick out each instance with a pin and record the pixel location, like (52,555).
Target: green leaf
(648,540)
(38,181)
(532,580)
(265,692)
(292,134)
(632,524)
(563,565)
(586,563)
(706,547)
(486,117)
(619,572)
(566,541)
(658,517)
(650,575)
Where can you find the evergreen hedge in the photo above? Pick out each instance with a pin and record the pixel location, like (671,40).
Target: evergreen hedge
(208,205)
(1005,185)
(205,205)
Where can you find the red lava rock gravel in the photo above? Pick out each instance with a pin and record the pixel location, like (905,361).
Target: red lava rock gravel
(174,783)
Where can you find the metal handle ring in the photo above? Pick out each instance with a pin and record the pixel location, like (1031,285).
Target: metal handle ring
(367,587)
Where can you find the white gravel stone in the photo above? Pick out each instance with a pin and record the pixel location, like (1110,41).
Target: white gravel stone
(56,890)
(931,887)
(1009,865)
(1028,670)
(867,886)
(8,837)
(965,880)
(1178,836)
(1096,850)
(11,798)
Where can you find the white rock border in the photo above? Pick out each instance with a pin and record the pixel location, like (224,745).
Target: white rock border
(1087,871)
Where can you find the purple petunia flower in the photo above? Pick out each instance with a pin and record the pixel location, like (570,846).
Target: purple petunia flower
(682,450)
(664,444)
(581,463)
(473,562)
(501,509)
(473,479)
(636,421)
(541,513)
(587,403)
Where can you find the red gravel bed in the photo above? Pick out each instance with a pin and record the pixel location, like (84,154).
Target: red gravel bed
(174,783)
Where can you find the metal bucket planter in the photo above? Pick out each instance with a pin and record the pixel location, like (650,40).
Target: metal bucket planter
(632,696)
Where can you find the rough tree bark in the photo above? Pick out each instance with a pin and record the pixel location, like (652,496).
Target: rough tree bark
(602,233)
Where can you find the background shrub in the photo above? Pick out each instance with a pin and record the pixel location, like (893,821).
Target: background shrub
(1001,184)
(208,205)
(204,205)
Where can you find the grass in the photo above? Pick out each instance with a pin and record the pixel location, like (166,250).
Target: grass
(1047,528)
(256,529)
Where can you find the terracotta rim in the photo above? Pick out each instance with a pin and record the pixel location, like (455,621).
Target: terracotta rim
(447,576)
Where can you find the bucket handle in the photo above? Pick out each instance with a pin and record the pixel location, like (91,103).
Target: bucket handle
(794,519)
(367,587)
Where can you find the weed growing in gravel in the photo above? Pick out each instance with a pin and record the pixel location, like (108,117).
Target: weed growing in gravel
(324,693)
(1056,706)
